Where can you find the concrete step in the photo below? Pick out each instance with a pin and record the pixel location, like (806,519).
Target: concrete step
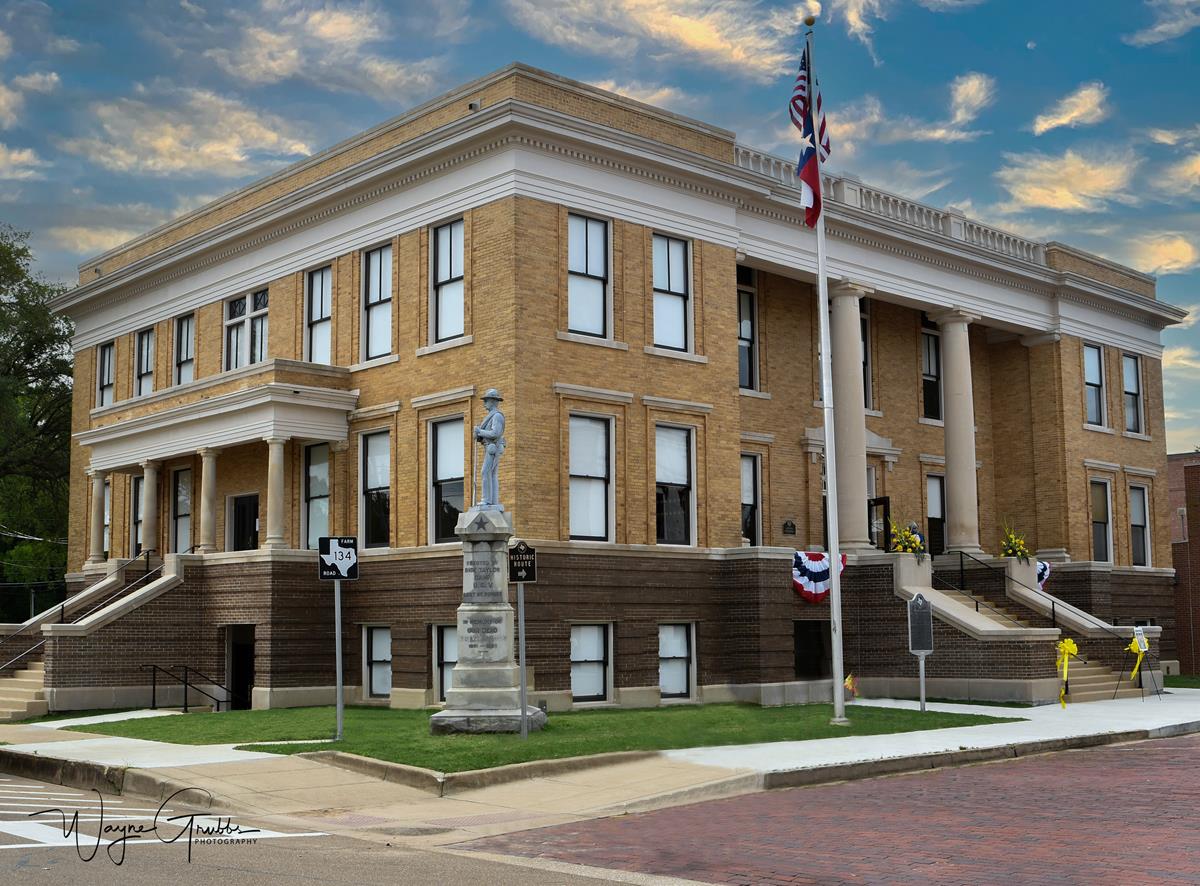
(10,713)
(27,682)
(1103,694)
(20,693)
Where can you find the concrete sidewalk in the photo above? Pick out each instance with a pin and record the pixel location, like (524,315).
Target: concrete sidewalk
(319,796)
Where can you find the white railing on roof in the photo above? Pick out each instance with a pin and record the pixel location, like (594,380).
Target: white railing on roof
(853,193)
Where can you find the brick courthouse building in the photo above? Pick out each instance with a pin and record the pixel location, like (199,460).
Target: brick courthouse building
(306,355)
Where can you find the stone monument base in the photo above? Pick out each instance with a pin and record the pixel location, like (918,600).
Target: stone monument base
(445,722)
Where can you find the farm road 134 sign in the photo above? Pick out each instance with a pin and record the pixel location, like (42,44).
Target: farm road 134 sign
(337,558)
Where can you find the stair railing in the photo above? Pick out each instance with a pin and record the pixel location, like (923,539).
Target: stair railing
(988,606)
(188,684)
(1151,657)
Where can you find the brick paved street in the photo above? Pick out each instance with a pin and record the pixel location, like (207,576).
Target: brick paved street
(1120,814)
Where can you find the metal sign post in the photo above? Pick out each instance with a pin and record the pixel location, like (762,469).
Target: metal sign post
(522,568)
(920,635)
(337,560)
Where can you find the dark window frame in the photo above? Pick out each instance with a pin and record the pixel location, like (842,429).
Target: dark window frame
(931,376)
(1096,388)
(311,323)
(1132,399)
(756,506)
(440,655)
(143,362)
(378,304)
(372,495)
(1143,528)
(586,274)
(748,346)
(688,631)
(106,374)
(1106,523)
(136,518)
(607,478)
(185,356)
(308,497)
(439,282)
(371,661)
(684,294)
(438,494)
(176,514)
(660,493)
(605,662)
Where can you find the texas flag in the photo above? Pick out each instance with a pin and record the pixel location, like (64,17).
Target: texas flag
(809,117)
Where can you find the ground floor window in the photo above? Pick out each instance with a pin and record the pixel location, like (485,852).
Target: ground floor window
(811,650)
(1101,528)
(378,642)
(589,662)
(445,656)
(675,660)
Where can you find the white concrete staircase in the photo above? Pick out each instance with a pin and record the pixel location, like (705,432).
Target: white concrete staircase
(23,693)
(1096,682)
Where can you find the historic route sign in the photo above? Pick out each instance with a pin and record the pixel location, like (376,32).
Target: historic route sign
(522,564)
(920,626)
(1140,636)
(337,558)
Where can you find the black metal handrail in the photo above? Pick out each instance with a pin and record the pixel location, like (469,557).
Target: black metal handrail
(187,684)
(1102,625)
(62,607)
(977,601)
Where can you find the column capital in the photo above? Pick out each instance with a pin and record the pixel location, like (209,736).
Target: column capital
(1044,338)
(339,445)
(848,288)
(208,452)
(273,439)
(947,316)
(97,474)
(150,464)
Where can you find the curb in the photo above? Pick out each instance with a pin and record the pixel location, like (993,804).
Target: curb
(442,783)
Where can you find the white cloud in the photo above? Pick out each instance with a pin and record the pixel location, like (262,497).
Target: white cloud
(168,130)
(11,102)
(19,163)
(852,125)
(1172,18)
(949,5)
(62,45)
(745,37)
(1183,177)
(1031,45)
(656,94)
(40,82)
(1167,252)
(858,14)
(1087,104)
(5,45)
(1190,320)
(970,94)
(1072,182)
(1180,357)
(326,46)
(87,240)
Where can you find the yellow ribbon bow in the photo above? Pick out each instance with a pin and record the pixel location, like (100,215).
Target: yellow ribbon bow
(1066,648)
(1133,647)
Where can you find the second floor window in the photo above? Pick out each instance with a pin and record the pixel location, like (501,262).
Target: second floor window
(143,376)
(104,374)
(376,489)
(448,458)
(931,375)
(670,293)
(246,330)
(377,303)
(673,485)
(1131,379)
(319,339)
(587,276)
(1093,383)
(185,349)
(747,330)
(589,478)
(448,314)
(316,493)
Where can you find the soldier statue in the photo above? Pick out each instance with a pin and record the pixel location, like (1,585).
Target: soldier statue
(490,434)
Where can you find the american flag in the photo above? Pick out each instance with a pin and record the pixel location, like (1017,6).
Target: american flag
(801,110)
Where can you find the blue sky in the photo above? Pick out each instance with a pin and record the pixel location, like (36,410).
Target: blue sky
(1076,120)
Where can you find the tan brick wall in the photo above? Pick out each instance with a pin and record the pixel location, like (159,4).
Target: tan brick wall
(1064,259)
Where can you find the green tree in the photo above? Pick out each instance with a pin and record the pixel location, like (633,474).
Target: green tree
(35,427)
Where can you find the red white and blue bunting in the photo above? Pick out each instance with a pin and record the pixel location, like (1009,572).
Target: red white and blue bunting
(811,574)
(1043,572)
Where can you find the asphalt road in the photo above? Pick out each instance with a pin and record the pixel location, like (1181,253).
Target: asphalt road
(53,835)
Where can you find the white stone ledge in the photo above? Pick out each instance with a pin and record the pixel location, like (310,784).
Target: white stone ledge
(749,392)
(453,395)
(599,342)
(459,342)
(677,405)
(1099,429)
(375,361)
(675,355)
(584,392)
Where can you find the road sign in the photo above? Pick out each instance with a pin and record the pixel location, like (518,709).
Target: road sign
(920,626)
(337,558)
(522,564)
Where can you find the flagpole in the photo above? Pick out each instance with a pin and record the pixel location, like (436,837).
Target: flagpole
(835,560)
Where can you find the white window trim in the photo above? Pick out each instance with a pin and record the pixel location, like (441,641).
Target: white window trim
(1149,539)
(612,476)
(366,693)
(758,496)
(362,473)
(608,337)
(692,506)
(609,670)
(1108,492)
(303,541)
(1104,424)
(363,324)
(1141,396)
(432,341)
(430,443)
(693,689)
(689,320)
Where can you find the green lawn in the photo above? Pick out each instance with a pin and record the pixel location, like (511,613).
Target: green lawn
(1183,681)
(403,736)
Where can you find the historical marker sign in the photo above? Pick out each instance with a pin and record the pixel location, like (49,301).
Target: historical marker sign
(1139,635)
(920,626)
(522,564)
(337,558)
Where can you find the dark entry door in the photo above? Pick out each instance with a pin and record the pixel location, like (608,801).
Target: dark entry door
(241,666)
(245,522)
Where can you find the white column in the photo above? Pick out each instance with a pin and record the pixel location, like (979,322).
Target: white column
(96,524)
(850,419)
(208,501)
(275,494)
(150,506)
(962,497)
